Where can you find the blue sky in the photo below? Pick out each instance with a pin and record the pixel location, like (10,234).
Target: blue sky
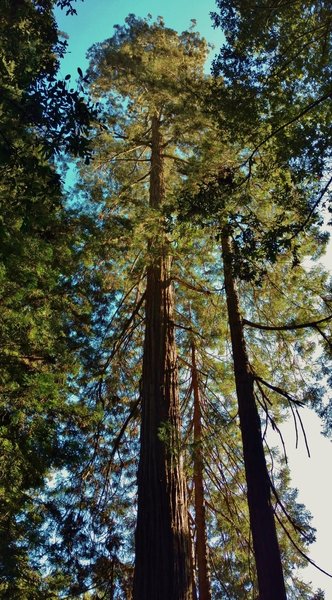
(95,20)
(94,23)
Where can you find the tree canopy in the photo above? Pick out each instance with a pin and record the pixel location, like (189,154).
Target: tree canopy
(159,318)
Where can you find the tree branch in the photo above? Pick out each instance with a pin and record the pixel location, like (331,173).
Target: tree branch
(120,435)
(289,327)
(290,122)
(278,390)
(299,549)
(311,212)
(195,288)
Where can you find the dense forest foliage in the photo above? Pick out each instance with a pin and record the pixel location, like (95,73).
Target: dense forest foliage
(167,312)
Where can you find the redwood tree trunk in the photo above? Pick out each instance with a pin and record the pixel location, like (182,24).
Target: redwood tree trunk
(162,559)
(204,590)
(266,548)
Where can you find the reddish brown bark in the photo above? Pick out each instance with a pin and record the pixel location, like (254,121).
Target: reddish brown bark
(162,559)
(266,548)
(204,590)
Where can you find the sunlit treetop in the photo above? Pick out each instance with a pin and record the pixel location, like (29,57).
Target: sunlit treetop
(149,63)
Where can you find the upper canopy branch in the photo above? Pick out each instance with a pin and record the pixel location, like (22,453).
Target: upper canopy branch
(289,327)
(305,110)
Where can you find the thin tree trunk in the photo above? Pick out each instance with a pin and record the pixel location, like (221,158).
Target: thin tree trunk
(162,560)
(266,548)
(192,558)
(204,590)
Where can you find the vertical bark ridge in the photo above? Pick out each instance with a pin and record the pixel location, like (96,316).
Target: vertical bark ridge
(162,561)
(266,548)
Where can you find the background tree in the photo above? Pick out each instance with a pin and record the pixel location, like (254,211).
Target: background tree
(277,362)
(38,117)
(242,209)
(276,68)
(281,72)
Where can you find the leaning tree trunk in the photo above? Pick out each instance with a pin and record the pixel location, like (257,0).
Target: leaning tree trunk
(204,590)
(162,559)
(266,548)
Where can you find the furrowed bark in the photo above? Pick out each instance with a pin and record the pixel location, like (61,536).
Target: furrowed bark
(162,560)
(266,548)
(204,590)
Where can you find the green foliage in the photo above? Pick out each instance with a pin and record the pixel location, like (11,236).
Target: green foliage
(276,68)
(73,283)
(38,304)
(278,359)
(40,115)
(130,75)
